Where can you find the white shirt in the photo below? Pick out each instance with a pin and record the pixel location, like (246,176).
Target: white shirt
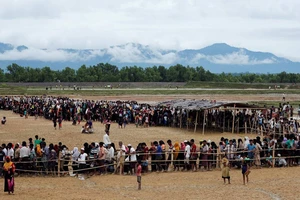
(246,144)
(123,150)
(24,152)
(110,154)
(229,149)
(82,158)
(106,139)
(5,151)
(10,153)
(187,151)
(132,154)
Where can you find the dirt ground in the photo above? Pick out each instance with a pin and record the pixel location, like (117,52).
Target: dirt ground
(264,183)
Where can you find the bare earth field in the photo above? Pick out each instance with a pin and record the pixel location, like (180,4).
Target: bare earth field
(264,183)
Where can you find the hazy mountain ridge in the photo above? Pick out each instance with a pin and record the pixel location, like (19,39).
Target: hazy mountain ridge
(219,57)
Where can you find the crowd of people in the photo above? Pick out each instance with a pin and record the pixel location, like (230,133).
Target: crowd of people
(277,148)
(104,157)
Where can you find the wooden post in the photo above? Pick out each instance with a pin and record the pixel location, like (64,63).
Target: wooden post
(224,122)
(203,122)
(187,120)
(233,119)
(228,126)
(180,118)
(218,158)
(273,153)
(238,126)
(196,123)
(172,161)
(58,164)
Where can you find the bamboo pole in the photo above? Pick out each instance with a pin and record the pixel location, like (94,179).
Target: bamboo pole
(196,123)
(273,152)
(238,126)
(218,158)
(180,118)
(224,122)
(58,164)
(233,119)
(203,122)
(187,120)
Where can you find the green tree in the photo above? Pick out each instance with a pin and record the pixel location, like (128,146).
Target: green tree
(2,75)
(68,75)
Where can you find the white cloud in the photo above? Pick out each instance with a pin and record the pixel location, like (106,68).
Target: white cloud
(237,58)
(130,53)
(252,24)
(40,55)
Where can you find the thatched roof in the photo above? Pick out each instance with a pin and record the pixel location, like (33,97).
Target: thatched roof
(203,104)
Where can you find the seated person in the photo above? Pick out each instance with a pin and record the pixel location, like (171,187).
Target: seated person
(3,121)
(83,129)
(281,161)
(89,126)
(269,159)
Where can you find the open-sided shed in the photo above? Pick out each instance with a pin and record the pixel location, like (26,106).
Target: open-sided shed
(202,106)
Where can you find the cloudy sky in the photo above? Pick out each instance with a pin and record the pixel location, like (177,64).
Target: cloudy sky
(260,25)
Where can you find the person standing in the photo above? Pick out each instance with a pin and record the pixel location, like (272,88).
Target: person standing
(225,170)
(106,139)
(24,155)
(8,171)
(245,168)
(250,149)
(132,158)
(121,157)
(229,151)
(187,153)
(139,174)
(257,151)
(101,158)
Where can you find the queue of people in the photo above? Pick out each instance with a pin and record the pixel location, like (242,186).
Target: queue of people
(104,157)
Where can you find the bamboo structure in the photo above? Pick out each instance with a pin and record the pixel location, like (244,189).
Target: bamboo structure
(196,122)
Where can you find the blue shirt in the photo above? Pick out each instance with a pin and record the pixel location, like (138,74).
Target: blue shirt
(250,148)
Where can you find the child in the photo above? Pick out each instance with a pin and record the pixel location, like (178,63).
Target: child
(139,174)
(225,170)
(83,130)
(3,121)
(25,113)
(59,122)
(245,168)
(269,160)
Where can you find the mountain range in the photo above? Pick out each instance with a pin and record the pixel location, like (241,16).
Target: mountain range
(217,58)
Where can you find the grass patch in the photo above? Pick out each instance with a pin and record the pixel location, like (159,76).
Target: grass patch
(114,92)
(200,84)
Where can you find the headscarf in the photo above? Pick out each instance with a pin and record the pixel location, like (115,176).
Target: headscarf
(8,164)
(182,146)
(176,151)
(76,153)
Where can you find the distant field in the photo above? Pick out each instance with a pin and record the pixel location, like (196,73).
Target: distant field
(144,88)
(159,85)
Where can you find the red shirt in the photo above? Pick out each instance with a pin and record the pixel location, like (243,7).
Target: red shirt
(193,150)
(139,170)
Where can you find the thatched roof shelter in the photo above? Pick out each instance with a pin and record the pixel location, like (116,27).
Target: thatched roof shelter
(201,106)
(204,104)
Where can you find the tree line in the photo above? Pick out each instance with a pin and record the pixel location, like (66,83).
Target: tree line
(105,72)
